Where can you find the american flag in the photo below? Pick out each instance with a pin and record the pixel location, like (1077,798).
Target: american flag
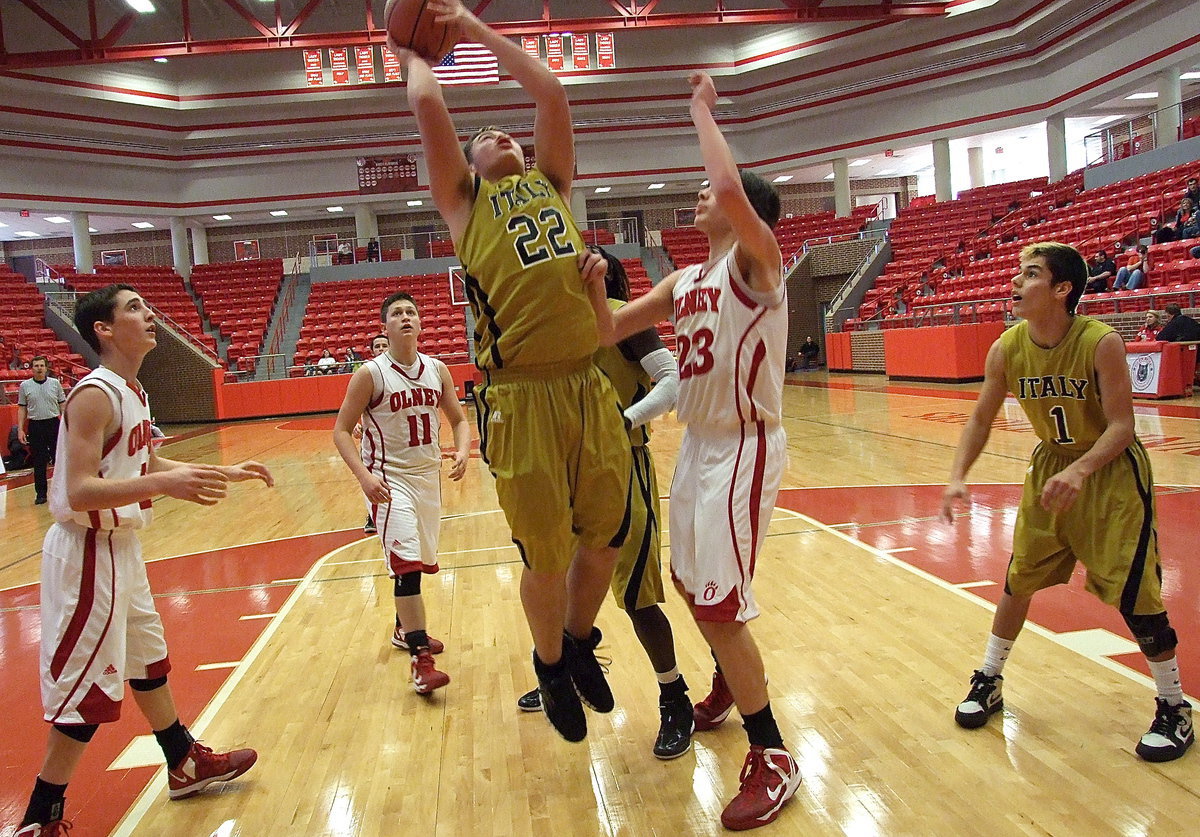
(468,64)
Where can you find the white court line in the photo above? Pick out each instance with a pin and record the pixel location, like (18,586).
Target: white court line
(215,666)
(157,785)
(250,616)
(1118,668)
(967,585)
(287,581)
(900,549)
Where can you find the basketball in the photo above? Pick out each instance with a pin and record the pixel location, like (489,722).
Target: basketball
(413,26)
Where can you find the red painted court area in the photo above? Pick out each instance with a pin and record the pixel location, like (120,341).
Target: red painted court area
(977,548)
(201,598)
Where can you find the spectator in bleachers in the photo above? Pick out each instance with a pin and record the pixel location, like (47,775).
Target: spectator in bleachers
(1150,328)
(373,250)
(345,253)
(1195,252)
(1101,271)
(1193,191)
(326,364)
(14,362)
(1185,219)
(353,359)
(1133,275)
(1179,328)
(927,287)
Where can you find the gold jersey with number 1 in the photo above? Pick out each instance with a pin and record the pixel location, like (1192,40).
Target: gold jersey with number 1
(1057,388)
(520,251)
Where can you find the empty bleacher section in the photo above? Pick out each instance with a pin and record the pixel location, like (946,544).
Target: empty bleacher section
(160,286)
(23,332)
(345,314)
(687,245)
(238,298)
(639,284)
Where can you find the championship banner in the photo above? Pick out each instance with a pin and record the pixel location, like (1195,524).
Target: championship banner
(313,71)
(532,48)
(554,52)
(341,76)
(580,52)
(364,59)
(391,66)
(606,56)
(1143,371)
(338,59)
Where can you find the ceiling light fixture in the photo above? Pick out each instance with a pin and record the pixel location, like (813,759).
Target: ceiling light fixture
(279,213)
(28,234)
(1150,95)
(656,185)
(160,60)
(222,217)
(57,219)
(143,6)
(416,203)
(1194,74)
(93,230)
(882,172)
(783,178)
(143,225)
(334,209)
(600,190)
(829,176)
(862,162)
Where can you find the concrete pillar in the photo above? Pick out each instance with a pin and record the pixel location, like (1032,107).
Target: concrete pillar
(199,243)
(975,164)
(82,239)
(941,170)
(579,207)
(180,254)
(1167,125)
(1056,145)
(841,187)
(366,225)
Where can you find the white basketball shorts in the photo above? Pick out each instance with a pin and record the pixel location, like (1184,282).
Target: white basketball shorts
(722,495)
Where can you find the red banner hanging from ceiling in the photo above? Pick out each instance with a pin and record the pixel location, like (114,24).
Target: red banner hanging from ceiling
(313,72)
(581,52)
(530,44)
(554,52)
(606,56)
(391,66)
(364,59)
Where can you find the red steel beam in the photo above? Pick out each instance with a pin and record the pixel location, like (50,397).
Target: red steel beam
(289,38)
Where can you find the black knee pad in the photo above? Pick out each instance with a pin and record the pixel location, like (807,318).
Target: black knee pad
(78,732)
(1154,634)
(148,685)
(408,584)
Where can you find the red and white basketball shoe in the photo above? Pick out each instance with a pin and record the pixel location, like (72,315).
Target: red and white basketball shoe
(769,778)
(711,712)
(54,828)
(201,767)
(426,677)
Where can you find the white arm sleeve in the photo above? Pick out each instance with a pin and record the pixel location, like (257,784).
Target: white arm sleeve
(660,366)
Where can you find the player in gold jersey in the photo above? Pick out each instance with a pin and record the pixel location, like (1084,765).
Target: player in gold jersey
(1089,491)
(550,424)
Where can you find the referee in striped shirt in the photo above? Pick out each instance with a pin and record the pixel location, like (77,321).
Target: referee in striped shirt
(40,401)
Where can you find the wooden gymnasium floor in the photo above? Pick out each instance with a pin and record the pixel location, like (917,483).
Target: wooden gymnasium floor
(874,614)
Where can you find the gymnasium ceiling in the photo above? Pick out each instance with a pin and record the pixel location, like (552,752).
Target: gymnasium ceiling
(81,72)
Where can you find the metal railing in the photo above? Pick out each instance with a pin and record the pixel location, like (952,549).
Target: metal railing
(265,367)
(625,230)
(837,304)
(1136,135)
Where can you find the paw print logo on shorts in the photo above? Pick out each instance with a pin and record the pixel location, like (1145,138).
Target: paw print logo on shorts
(710,591)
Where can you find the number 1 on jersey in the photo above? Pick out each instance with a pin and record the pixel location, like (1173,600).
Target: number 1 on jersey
(1060,422)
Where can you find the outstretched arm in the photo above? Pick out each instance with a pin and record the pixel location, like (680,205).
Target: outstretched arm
(757,250)
(553,141)
(449,176)
(975,434)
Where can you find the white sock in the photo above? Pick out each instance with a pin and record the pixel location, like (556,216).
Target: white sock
(996,654)
(667,676)
(1166,680)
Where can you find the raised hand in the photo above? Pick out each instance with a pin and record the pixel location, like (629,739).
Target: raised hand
(703,90)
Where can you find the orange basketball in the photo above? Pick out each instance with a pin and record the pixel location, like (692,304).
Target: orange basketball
(413,26)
